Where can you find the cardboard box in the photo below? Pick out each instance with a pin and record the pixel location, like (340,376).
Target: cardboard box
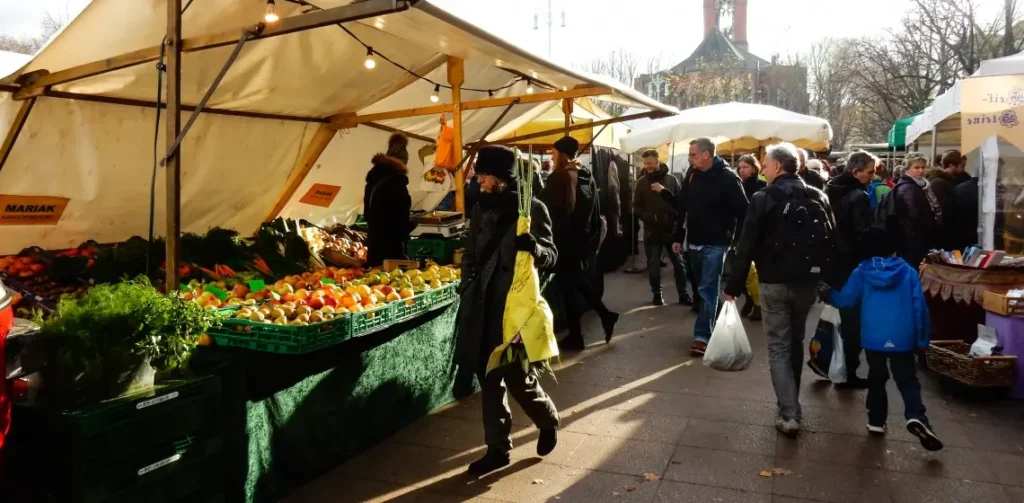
(999,303)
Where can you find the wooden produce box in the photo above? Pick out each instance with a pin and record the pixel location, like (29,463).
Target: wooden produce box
(999,303)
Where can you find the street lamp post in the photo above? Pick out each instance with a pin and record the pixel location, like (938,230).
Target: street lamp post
(551,24)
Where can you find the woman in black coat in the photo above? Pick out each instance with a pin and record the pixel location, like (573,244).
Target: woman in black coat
(917,211)
(488,266)
(386,203)
(748,169)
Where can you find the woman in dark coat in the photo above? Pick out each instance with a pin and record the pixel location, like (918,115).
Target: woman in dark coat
(386,203)
(917,211)
(748,168)
(488,265)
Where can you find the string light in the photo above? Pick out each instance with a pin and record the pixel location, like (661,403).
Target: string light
(433,96)
(529,86)
(270,16)
(370,64)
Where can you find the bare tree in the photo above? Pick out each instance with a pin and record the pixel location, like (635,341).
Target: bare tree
(625,67)
(51,23)
(712,82)
(833,91)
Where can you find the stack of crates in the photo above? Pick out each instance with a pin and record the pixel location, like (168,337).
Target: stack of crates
(163,445)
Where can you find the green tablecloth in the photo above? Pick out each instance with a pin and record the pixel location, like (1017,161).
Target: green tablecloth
(303,415)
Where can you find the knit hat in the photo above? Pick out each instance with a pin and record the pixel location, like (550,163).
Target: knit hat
(497,161)
(568,146)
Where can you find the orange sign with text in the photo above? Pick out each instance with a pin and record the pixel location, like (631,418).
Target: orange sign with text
(321,195)
(31,210)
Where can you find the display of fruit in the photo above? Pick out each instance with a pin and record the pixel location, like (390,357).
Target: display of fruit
(21,267)
(45,287)
(320,239)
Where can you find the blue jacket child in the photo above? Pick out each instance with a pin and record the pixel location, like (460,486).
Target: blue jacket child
(894,316)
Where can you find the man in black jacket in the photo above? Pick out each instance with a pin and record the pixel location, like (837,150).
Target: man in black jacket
(711,207)
(786,294)
(965,214)
(654,203)
(852,209)
(809,176)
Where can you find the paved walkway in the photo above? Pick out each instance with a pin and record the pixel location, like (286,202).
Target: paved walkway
(643,422)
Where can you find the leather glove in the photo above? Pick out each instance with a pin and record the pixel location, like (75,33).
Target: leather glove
(526,243)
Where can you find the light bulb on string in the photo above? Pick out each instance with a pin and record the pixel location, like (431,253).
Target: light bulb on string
(529,87)
(370,63)
(433,96)
(270,16)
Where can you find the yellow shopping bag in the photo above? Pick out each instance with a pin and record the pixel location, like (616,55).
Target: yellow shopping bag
(753,287)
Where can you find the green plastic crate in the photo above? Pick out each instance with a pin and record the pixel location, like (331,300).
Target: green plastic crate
(406,309)
(175,473)
(283,339)
(374,320)
(439,250)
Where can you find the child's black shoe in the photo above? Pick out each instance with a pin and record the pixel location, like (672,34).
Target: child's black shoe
(923,431)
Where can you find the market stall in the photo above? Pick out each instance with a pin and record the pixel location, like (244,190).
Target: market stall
(287,116)
(735,128)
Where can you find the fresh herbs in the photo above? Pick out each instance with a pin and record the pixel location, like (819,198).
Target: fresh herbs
(114,325)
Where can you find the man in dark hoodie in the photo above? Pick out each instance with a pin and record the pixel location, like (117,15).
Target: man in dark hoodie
(852,209)
(712,205)
(386,203)
(809,176)
(942,180)
(571,210)
(654,203)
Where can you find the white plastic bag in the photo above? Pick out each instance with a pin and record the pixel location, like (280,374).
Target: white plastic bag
(729,348)
(837,369)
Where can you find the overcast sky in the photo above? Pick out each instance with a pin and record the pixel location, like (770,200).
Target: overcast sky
(664,29)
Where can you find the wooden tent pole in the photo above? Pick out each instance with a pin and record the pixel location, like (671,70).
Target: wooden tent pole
(456,77)
(575,127)
(302,167)
(173,128)
(567,106)
(12,134)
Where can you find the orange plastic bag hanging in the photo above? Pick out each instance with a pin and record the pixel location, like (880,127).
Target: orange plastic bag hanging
(445,156)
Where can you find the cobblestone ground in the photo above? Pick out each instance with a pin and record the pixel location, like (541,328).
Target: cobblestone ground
(643,422)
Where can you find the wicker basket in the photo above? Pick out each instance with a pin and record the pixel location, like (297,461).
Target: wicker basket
(950,359)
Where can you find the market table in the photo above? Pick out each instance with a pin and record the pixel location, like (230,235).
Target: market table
(954,296)
(291,418)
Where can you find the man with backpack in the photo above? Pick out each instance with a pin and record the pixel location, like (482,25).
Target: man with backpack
(712,204)
(571,196)
(788,234)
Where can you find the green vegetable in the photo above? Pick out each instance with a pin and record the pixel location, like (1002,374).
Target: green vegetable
(113,325)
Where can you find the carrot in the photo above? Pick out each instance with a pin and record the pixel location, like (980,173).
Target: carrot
(212,274)
(229,271)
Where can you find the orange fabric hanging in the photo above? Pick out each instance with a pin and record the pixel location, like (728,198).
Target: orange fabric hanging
(445,157)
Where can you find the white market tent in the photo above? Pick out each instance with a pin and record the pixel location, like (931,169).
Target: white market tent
(943,116)
(11,61)
(735,126)
(296,107)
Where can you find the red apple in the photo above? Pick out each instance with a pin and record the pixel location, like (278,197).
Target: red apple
(316,303)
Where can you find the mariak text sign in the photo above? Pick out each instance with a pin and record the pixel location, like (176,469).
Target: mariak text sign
(321,195)
(992,106)
(31,210)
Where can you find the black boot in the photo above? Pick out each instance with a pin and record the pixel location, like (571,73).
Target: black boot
(748,307)
(492,460)
(696,306)
(659,300)
(608,321)
(755,314)
(685,299)
(572,343)
(547,441)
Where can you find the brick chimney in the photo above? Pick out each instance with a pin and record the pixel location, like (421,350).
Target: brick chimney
(710,16)
(739,25)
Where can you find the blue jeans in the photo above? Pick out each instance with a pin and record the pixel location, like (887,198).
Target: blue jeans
(707,264)
(653,250)
(902,366)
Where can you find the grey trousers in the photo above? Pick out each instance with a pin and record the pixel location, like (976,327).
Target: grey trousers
(525,388)
(784,309)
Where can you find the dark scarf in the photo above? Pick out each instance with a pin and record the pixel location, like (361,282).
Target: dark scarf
(507,205)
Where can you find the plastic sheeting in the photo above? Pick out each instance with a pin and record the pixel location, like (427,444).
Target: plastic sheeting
(739,126)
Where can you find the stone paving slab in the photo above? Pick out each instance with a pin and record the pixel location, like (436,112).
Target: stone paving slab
(644,422)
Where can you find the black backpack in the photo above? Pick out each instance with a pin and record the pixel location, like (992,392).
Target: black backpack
(801,239)
(885,212)
(590,226)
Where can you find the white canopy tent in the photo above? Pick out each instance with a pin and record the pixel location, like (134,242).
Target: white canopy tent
(737,126)
(296,108)
(943,115)
(10,62)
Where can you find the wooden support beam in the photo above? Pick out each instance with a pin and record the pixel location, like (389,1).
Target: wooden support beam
(343,121)
(12,134)
(582,92)
(302,167)
(575,127)
(187,108)
(567,107)
(173,127)
(456,77)
(311,20)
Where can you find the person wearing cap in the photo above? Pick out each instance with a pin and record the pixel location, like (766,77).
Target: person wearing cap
(571,196)
(488,266)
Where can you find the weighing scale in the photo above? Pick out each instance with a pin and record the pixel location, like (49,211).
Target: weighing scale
(447,224)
